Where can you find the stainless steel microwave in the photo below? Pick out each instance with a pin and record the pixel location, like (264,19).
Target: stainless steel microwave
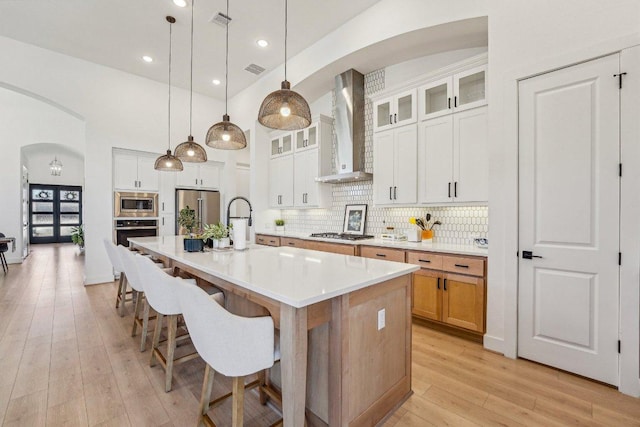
(134,205)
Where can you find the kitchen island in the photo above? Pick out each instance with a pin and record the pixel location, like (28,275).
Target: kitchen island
(344,321)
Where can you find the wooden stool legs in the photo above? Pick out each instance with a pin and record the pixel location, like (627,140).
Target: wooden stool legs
(237,393)
(207,387)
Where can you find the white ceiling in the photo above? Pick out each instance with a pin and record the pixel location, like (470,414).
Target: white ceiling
(117,33)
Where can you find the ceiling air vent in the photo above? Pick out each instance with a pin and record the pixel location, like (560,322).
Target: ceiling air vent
(255,69)
(220,19)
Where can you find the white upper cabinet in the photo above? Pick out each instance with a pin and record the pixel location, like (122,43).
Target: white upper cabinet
(393,111)
(292,177)
(281,145)
(395,166)
(453,160)
(199,176)
(458,92)
(134,172)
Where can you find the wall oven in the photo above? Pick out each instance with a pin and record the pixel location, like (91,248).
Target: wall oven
(126,228)
(135,205)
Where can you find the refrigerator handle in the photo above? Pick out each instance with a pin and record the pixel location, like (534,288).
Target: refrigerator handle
(200,212)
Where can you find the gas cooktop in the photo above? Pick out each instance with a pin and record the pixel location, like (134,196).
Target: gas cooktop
(342,236)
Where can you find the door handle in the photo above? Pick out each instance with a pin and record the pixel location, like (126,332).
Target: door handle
(455,189)
(449,191)
(395,193)
(445,284)
(438,283)
(529,255)
(162,220)
(425,260)
(461,266)
(455,101)
(381,255)
(390,119)
(395,118)
(390,198)
(162,206)
(449,103)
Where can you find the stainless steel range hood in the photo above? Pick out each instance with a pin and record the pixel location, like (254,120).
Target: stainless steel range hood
(349,125)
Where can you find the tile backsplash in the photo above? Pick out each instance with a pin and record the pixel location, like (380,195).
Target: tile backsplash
(460,224)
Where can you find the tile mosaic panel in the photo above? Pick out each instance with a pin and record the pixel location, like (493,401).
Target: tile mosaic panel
(460,224)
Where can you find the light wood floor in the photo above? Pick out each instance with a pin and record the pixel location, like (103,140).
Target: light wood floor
(67,358)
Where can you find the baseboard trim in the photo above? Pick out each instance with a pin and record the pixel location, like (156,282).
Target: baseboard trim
(494,344)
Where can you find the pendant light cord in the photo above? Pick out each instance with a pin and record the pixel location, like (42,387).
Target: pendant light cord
(169,108)
(191,77)
(226,68)
(286,25)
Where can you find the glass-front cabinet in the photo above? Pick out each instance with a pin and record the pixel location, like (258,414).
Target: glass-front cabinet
(397,110)
(55,210)
(282,145)
(306,138)
(458,92)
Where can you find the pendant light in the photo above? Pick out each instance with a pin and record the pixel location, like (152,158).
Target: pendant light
(226,135)
(284,108)
(190,151)
(55,167)
(168,162)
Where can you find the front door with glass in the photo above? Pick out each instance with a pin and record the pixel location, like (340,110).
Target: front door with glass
(54,210)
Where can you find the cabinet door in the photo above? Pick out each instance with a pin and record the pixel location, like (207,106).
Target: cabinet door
(125,172)
(300,179)
(189,176)
(286,181)
(405,108)
(427,294)
(168,224)
(436,98)
(436,161)
(470,88)
(383,114)
(471,164)
(383,151)
(209,176)
(463,301)
(274,182)
(167,194)
(282,145)
(405,161)
(148,179)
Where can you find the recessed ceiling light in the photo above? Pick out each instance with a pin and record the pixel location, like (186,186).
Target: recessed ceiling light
(262,43)
(147,58)
(216,82)
(180,3)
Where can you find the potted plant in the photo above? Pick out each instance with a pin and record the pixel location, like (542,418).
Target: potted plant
(187,219)
(279,225)
(218,233)
(77,236)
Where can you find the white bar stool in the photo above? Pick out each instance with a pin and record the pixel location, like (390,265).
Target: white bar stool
(240,346)
(162,295)
(122,282)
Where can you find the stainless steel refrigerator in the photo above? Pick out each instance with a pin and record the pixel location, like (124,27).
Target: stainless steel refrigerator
(205,203)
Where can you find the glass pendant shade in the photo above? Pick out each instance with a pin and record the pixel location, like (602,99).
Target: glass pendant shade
(225,135)
(285,109)
(168,163)
(190,151)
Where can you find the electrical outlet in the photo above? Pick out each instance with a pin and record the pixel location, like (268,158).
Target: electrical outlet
(381,319)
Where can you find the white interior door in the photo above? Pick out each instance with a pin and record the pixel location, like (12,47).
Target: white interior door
(569,219)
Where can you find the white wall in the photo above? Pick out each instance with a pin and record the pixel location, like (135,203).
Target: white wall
(39,156)
(526,38)
(119,110)
(28,120)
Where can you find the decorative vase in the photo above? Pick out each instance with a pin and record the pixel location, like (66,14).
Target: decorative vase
(225,242)
(280,229)
(427,234)
(193,245)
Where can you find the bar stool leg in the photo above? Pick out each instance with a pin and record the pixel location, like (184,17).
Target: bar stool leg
(5,266)
(205,396)
(118,294)
(172,326)
(136,312)
(156,338)
(122,293)
(262,378)
(238,402)
(145,323)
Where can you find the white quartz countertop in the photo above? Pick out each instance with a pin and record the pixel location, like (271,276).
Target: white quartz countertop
(429,246)
(297,277)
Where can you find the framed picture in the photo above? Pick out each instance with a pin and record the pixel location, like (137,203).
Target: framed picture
(355,217)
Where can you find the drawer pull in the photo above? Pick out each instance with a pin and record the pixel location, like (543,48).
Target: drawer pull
(438,283)
(381,255)
(272,241)
(445,284)
(461,265)
(290,243)
(424,260)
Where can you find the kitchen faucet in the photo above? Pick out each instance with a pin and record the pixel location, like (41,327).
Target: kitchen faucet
(229,217)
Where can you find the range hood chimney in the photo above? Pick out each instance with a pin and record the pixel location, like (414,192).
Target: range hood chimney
(349,125)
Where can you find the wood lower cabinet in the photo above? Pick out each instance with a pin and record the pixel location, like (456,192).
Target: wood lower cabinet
(265,239)
(382,253)
(442,294)
(295,243)
(335,248)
